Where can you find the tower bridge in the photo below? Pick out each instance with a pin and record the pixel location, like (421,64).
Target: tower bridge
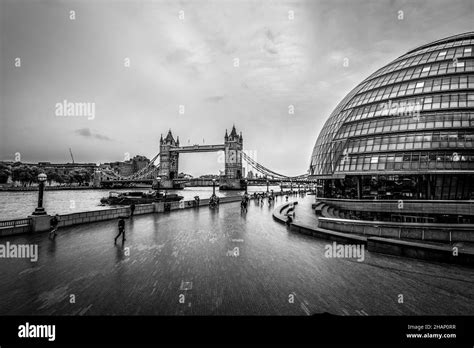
(232,147)
(168,168)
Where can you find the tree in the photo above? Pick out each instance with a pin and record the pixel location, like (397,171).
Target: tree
(5,172)
(61,178)
(50,176)
(70,177)
(85,175)
(54,176)
(34,172)
(21,173)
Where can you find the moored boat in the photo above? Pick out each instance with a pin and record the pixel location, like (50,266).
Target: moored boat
(138,197)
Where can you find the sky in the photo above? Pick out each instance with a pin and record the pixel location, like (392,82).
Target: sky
(139,64)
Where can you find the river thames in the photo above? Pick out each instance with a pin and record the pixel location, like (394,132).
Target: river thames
(20,204)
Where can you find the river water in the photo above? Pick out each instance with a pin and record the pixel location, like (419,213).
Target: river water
(20,204)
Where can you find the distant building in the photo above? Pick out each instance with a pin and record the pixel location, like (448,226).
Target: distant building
(63,168)
(139,162)
(128,167)
(209,176)
(184,176)
(121,168)
(250,175)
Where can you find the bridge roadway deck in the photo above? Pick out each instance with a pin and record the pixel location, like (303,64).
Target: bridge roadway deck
(168,250)
(198,148)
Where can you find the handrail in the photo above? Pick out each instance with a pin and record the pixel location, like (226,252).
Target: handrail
(15,222)
(185,203)
(399,224)
(471,201)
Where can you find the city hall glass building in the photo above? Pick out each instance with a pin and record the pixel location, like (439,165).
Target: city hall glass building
(406,131)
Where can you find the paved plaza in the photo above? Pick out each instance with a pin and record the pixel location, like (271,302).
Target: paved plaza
(186,263)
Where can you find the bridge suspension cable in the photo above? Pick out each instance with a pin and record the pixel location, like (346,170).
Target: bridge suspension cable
(150,169)
(142,173)
(257,166)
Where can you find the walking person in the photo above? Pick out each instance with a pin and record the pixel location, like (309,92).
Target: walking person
(121,228)
(54,226)
(214,201)
(132,208)
(243,204)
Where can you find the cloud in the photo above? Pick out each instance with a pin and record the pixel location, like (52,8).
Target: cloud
(86,132)
(179,56)
(214,99)
(269,35)
(271,50)
(191,62)
(269,42)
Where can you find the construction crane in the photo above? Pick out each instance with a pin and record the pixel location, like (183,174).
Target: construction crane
(71,155)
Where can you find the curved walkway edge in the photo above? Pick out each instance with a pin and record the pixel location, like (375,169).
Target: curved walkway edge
(425,251)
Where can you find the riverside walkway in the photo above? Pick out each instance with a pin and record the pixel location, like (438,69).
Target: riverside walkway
(185,263)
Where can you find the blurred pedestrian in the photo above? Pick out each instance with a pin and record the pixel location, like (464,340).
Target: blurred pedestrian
(121,228)
(54,226)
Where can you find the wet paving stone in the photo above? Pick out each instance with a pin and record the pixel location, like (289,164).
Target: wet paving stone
(274,272)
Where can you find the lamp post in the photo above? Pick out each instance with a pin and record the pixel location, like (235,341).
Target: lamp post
(267,185)
(213,187)
(39,209)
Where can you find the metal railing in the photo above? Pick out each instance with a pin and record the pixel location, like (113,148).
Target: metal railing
(14,223)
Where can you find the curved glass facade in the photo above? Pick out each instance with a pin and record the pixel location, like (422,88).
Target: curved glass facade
(414,116)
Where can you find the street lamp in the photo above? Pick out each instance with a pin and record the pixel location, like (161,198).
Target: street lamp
(213,186)
(39,209)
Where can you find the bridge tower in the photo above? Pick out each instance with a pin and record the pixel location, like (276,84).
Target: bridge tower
(233,179)
(168,160)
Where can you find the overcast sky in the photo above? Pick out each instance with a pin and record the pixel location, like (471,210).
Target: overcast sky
(191,62)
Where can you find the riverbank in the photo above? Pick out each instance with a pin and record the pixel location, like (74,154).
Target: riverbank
(19,204)
(33,224)
(50,188)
